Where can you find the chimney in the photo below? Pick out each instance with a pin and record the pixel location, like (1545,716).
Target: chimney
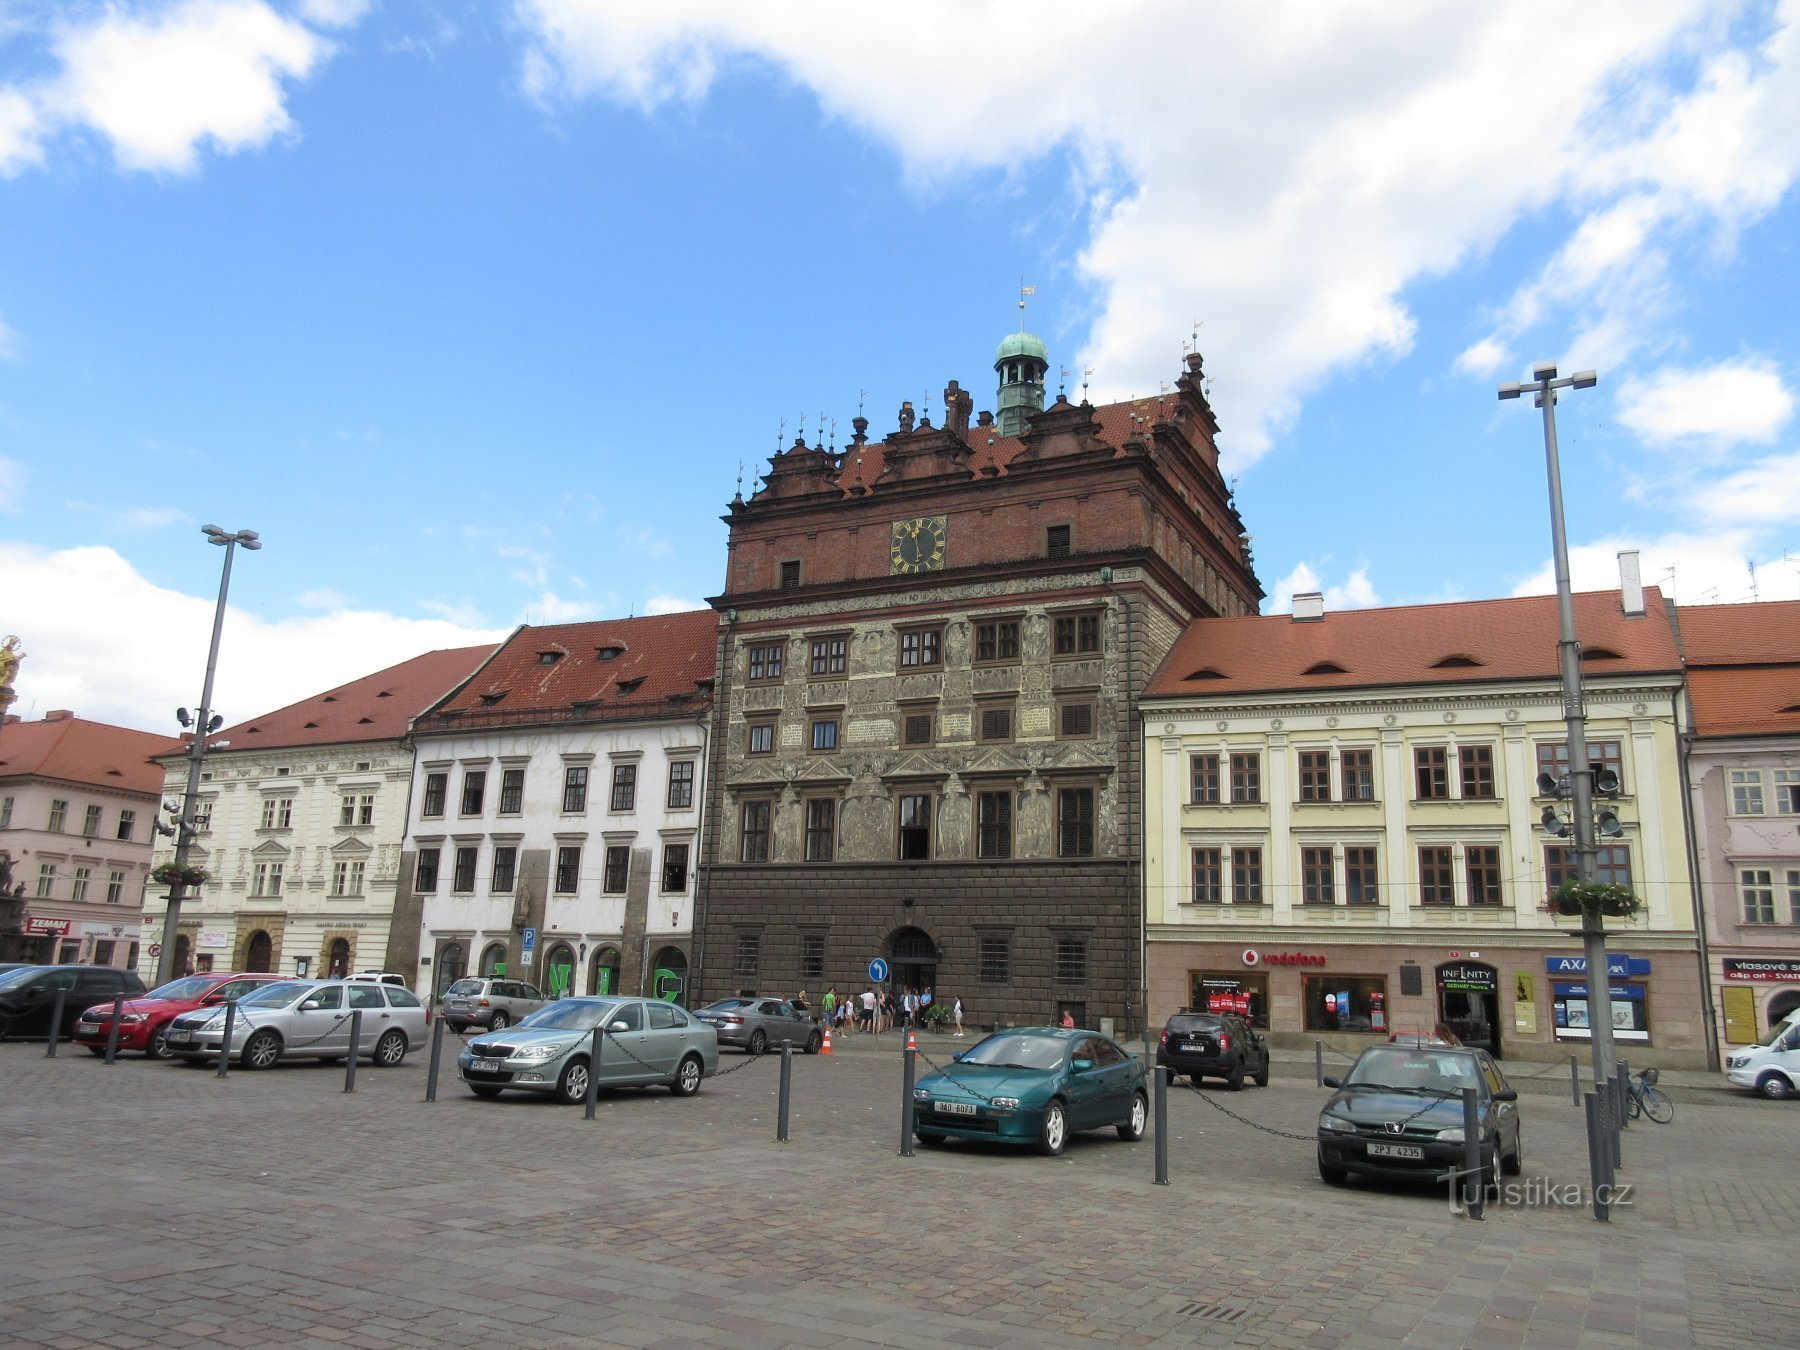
(58,715)
(1309,606)
(1631,584)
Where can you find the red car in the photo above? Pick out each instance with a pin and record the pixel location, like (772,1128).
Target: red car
(144,1019)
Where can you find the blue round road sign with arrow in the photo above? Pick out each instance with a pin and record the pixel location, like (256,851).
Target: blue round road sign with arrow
(878,971)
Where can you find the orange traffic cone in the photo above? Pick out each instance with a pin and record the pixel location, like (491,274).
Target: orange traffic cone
(911,1042)
(825,1049)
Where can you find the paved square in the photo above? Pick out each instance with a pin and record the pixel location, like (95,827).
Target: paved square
(152,1204)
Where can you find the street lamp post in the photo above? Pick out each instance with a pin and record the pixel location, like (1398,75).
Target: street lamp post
(204,725)
(1544,384)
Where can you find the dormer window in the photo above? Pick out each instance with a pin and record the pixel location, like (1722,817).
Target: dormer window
(1326,668)
(489,700)
(610,653)
(549,658)
(630,686)
(1455,662)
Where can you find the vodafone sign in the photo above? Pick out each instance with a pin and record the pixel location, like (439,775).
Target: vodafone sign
(1252,957)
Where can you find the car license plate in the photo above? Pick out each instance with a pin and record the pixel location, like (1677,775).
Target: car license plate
(484,1066)
(1195,1046)
(89,1026)
(178,1037)
(1411,1151)
(957,1108)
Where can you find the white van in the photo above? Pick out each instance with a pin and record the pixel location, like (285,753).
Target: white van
(1772,1065)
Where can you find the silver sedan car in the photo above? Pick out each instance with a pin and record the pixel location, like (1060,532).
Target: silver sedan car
(755,1024)
(645,1041)
(309,1019)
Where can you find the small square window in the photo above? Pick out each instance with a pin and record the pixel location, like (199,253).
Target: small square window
(1058,541)
(916,728)
(921,647)
(997,642)
(995,960)
(995,723)
(825,734)
(764,661)
(1075,721)
(830,656)
(790,574)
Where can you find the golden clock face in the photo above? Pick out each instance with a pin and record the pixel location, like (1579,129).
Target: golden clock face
(918,545)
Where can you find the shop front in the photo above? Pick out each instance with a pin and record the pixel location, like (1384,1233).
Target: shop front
(1573,1007)
(1756,993)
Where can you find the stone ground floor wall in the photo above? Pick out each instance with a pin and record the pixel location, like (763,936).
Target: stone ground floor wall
(1504,993)
(779,929)
(656,966)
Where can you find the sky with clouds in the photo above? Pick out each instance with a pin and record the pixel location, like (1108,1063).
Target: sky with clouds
(479,311)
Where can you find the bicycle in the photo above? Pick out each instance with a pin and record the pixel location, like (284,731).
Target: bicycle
(1648,1099)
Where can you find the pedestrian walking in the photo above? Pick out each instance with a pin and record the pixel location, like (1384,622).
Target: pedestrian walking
(831,1000)
(909,1007)
(868,1010)
(956,1012)
(1068,1019)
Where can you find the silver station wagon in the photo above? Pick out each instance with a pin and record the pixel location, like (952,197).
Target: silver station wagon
(646,1041)
(305,1019)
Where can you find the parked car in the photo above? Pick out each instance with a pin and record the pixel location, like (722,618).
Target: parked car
(377,977)
(647,1041)
(489,1002)
(305,1019)
(1033,1085)
(755,1024)
(1214,1045)
(1772,1065)
(28,995)
(1399,1113)
(143,1021)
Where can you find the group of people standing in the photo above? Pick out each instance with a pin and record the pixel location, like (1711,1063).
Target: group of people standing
(877,1010)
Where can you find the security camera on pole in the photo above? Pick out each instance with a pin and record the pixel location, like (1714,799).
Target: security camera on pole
(204,724)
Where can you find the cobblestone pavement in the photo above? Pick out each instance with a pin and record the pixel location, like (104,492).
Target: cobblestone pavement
(153,1204)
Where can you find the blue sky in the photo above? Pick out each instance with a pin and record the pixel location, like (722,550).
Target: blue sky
(475,309)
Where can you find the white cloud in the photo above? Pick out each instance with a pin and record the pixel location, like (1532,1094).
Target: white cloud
(9,343)
(549,607)
(1690,568)
(1482,359)
(334,13)
(323,597)
(671,604)
(1764,492)
(1722,405)
(106,642)
(1354,592)
(12,486)
(21,143)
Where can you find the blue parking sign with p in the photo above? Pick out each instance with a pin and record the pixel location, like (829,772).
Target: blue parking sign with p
(529,941)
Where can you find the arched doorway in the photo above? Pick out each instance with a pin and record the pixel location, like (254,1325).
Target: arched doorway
(338,964)
(259,957)
(603,972)
(449,966)
(668,975)
(493,959)
(559,967)
(1469,1003)
(1781,1005)
(912,961)
(184,954)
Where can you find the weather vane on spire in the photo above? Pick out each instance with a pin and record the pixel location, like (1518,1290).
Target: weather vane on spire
(1024,291)
(1085,372)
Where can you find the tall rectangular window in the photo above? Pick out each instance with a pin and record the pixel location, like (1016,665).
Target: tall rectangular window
(265,879)
(1071,962)
(921,647)
(681,784)
(425,877)
(115,887)
(568,869)
(790,574)
(6,806)
(347,809)
(347,878)
(90,825)
(825,733)
(915,826)
(1315,775)
(575,783)
(1246,876)
(1209,876)
(618,869)
(624,787)
(1316,886)
(1075,822)
(1793,894)
(59,812)
(1431,771)
(505,870)
(747,957)
(1787,792)
(1356,770)
(1204,772)
(1746,792)
(821,829)
(812,956)
(995,959)
(675,868)
(830,656)
(462,879)
(79,890)
(1475,765)
(46,881)
(1056,541)
(760,738)
(203,816)
(755,846)
(1361,883)
(1437,877)
(512,791)
(127,823)
(1246,777)
(993,824)
(1481,869)
(431,802)
(1757,884)
(277,813)
(997,642)
(1075,635)
(474,789)
(764,661)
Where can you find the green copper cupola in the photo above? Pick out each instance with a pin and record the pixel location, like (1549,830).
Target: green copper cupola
(1021,362)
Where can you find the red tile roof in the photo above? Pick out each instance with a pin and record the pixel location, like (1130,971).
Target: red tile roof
(377,707)
(1766,632)
(553,667)
(74,750)
(1744,667)
(1468,642)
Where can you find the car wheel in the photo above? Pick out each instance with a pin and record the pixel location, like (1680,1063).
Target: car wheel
(1262,1079)
(1513,1164)
(484,1089)
(1235,1079)
(1133,1129)
(931,1140)
(97,1050)
(159,1044)
(500,1023)
(813,1042)
(1775,1087)
(1197,1079)
(1331,1174)
(687,1077)
(758,1042)
(262,1050)
(1055,1131)
(572,1086)
(390,1049)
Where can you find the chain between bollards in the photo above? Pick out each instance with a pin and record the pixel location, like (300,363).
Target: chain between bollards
(355,1049)
(592,1094)
(1474,1175)
(437,1048)
(62,996)
(112,1032)
(225,1045)
(787,1079)
(1163,1075)
(906,1105)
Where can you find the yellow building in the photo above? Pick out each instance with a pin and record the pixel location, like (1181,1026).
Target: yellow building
(1345,838)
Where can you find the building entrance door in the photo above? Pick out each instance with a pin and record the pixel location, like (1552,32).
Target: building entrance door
(1469,1003)
(912,962)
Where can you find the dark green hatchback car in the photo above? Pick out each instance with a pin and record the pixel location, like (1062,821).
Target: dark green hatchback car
(1033,1085)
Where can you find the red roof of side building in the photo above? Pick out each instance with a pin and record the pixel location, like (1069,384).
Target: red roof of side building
(617,663)
(1744,667)
(1467,642)
(1763,633)
(74,750)
(377,707)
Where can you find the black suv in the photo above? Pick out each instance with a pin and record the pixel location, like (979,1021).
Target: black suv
(28,995)
(1214,1045)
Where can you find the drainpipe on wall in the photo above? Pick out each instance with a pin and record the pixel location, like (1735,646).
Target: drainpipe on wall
(1684,745)
(709,824)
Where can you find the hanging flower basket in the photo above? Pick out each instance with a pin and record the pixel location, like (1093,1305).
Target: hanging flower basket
(1584,899)
(178,874)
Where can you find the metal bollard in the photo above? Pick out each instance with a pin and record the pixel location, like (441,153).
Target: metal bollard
(787,1081)
(1319,1063)
(592,1094)
(1624,1095)
(906,1107)
(1574,1080)
(437,1047)
(62,996)
(1163,1074)
(1473,1180)
(225,1045)
(1596,1171)
(355,1046)
(112,1032)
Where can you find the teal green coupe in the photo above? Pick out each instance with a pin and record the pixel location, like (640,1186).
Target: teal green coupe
(1033,1085)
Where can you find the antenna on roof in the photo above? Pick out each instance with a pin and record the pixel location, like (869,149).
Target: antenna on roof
(1085,372)
(1752,564)
(861,395)
(1670,574)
